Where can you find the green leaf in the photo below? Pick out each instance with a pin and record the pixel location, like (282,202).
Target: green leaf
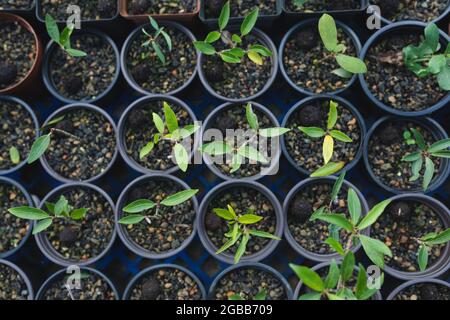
(333,243)
(348,266)
(236,163)
(441,238)
(419,139)
(273,132)
(333,297)
(432,36)
(205,48)
(351,64)
(332,279)
(361,282)
(14,155)
(76,53)
(260,49)
(309,277)
(38,148)
(168,39)
(236,38)
(132,219)
(415,169)
(62,206)
(310,296)
(328,32)
(42,225)
(224,16)
(354,206)
(437,63)
(252,119)
(332,115)
(212,37)
(255,57)
(171,117)
(139,206)
(261,296)
(249,219)
(238,52)
(252,154)
(439,145)
(146,150)
(263,234)
(340,72)
(236,297)
(337,186)
(249,22)
(187,131)
(312,132)
(50,207)
(65,37)
(216,148)
(428,174)
(224,214)
(78,214)
(443,78)
(338,135)
(338,220)
(181,157)
(373,215)
(328,148)
(375,250)
(179,197)
(441,154)
(229,57)
(154,23)
(412,157)
(329,169)
(423,258)
(29,213)
(159,123)
(52,28)
(242,247)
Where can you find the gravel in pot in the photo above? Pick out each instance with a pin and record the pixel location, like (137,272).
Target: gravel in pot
(14,283)
(94,285)
(91,10)
(323,5)
(17,5)
(212,8)
(139,7)
(165,282)
(422,10)
(427,289)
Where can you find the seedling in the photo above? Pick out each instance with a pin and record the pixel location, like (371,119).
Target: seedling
(348,65)
(328,143)
(174,134)
(424,60)
(240,229)
(245,150)
(426,242)
(14,155)
(153,40)
(58,210)
(408,136)
(299,3)
(235,51)
(142,205)
(425,153)
(62,38)
(260,296)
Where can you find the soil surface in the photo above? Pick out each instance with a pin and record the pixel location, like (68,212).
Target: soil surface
(16,4)
(12,285)
(323,5)
(240,8)
(137,7)
(422,10)
(90,9)
(424,291)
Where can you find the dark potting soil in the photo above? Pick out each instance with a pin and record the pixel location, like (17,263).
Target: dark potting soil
(83,78)
(311,235)
(150,73)
(422,10)
(424,291)
(248,282)
(308,64)
(240,8)
(241,199)
(170,226)
(240,80)
(323,5)
(235,119)
(16,130)
(140,129)
(387,147)
(137,7)
(403,223)
(93,287)
(166,284)
(306,151)
(12,229)
(90,9)
(17,53)
(391,82)
(86,154)
(84,239)
(16,4)
(12,285)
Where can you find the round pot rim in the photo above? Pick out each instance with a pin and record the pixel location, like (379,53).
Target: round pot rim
(125,49)
(426,122)
(33,116)
(349,106)
(22,275)
(47,249)
(347,30)
(392,27)
(274,70)
(93,108)
(126,239)
(278,215)
(58,273)
(287,233)
(407,284)
(121,128)
(228,105)
(252,265)
(52,46)
(157,267)
(434,270)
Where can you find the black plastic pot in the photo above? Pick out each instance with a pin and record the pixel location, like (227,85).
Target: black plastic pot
(269,44)
(209,161)
(348,105)
(377,36)
(128,242)
(121,131)
(36,127)
(376,296)
(45,245)
(301,25)
(263,20)
(434,128)
(290,238)
(62,272)
(226,257)
(61,111)
(405,285)
(23,275)
(336,13)
(442,265)
(135,279)
(249,265)
(50,49)
(124,53)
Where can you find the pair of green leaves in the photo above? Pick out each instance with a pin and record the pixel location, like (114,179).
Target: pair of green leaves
(424,156)
(348,65)
(62,38)
(260,296)
(427,242)
(141,205)
(153,40)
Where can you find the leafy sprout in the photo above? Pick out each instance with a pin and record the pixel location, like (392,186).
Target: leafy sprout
(424,155)
(260,296)
(59,210)
(299,3)
(348,65)
(62,38)
(409,139)
(424,59)
(329,134)
(142,205)
(14,155)
(235,51)
(427,242)
(240,229)
(153,40)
